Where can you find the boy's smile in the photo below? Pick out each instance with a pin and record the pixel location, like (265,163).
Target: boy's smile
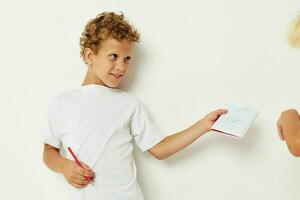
(110,65)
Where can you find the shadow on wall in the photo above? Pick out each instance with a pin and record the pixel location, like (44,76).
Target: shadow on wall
(246,146)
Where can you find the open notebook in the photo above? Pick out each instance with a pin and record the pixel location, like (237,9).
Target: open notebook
(236,122)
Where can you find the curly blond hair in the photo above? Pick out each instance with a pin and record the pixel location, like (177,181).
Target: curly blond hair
(294,33)
(107,25)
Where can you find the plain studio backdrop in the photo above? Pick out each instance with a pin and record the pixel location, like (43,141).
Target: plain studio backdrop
(194,56)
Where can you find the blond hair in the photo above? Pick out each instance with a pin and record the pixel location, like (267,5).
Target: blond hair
(294,33)
(107,25)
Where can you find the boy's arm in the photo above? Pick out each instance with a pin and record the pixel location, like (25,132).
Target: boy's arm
(182,139)
(53,159)
(288,127)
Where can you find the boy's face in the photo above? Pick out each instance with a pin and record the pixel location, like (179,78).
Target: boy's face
(110,66)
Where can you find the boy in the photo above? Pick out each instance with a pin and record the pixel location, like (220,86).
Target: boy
(288,124)
(98,121)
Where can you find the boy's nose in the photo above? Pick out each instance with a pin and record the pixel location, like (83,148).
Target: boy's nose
(120,67)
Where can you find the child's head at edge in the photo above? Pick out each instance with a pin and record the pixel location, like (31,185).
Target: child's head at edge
(294,32)
(106,45)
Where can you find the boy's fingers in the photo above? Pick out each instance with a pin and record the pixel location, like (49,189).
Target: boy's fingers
(84,172)
(221,111)
(279,129)
(278,125)
(91,173)
(218,113)
(80,181)
(280,132)
(81,171)
(281,136)
(79,177)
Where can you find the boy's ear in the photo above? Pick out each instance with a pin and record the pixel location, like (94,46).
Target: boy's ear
(88,56)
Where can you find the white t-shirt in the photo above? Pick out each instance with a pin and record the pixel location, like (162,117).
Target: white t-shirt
(98,123)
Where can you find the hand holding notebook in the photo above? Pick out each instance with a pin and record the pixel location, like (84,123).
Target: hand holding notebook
(236,122)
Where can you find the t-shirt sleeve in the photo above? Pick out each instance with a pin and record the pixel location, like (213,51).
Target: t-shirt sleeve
(50,127)
(145,133)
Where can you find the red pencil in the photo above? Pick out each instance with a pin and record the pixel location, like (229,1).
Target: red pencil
(79,163)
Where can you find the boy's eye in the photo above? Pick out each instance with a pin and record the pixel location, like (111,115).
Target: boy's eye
(113,56)
(127,59)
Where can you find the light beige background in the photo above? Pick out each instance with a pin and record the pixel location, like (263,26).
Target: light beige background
(195,56)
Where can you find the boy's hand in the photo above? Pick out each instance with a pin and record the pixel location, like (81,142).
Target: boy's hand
(76,175)
(211,118)
(284,119)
